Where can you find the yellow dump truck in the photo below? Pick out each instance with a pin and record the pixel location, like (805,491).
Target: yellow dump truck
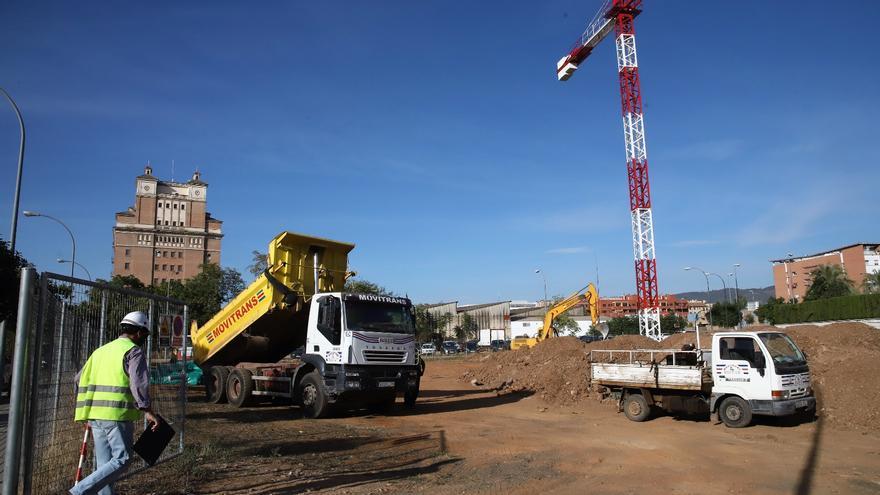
(357,349)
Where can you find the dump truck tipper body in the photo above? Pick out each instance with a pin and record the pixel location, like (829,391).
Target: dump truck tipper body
(743,374)
(356,347)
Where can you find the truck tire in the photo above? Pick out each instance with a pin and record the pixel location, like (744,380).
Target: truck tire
(215,384)
(735,412)
(312,397)
(239,386)
(636,407)
(409,398)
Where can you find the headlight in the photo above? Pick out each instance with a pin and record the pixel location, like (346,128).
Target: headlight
(780,394)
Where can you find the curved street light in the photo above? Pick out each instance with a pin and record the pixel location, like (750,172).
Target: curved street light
(72,240)
(538,271)
(705,274)
(14,227)
(77,263)
(723,284)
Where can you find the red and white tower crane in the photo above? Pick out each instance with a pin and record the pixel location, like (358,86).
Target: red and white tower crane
(619,15)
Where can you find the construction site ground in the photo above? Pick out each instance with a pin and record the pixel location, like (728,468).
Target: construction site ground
(463,438)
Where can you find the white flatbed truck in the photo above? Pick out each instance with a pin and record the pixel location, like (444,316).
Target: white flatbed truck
(742,375)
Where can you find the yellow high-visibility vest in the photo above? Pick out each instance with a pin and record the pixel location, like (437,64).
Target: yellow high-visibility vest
(104,391)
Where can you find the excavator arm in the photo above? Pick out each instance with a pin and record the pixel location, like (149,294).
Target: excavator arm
(588,293)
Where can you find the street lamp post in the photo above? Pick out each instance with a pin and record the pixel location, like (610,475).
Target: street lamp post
(14,227)
(736,281)
(538,271)
(72,240)
(705,274)
(77,263)
(723,284)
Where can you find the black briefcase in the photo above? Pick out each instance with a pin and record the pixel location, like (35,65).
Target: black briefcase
(151,443)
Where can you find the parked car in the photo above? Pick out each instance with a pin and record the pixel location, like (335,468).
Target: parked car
(450,347)
(499,345)
(586,339)
(428,349)
(471,346)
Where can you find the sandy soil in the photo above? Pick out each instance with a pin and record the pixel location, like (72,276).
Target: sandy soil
(465,439)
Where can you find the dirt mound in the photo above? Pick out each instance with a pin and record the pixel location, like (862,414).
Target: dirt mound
(843,358)
(557,370)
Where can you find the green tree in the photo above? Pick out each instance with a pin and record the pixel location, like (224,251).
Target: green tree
(726,314)
(828,281)
(765,313)
(430,326)
(259,263)
(564,324)
(208,291)
(871,285)
(10,280)
(366,287)
(468,328)
(672,323)
(749,319)
(623,325)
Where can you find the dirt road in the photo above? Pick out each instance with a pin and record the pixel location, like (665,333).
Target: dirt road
(464,440)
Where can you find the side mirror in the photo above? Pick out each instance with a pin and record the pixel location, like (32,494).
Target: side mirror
(760,363)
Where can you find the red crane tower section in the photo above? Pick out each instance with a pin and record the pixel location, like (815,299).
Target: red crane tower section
(619,15)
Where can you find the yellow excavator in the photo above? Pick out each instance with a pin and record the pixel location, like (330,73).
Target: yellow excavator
(588,294)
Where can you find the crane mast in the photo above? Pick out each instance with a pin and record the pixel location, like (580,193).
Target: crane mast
(618,15)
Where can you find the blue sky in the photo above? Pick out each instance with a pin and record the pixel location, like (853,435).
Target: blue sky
(435,136)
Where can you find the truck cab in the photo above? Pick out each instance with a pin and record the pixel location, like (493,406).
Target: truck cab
(360,348)
(762,373)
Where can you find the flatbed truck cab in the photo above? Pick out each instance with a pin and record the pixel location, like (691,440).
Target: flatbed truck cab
(758,373)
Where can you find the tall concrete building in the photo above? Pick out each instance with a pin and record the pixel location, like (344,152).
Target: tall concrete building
(168,233)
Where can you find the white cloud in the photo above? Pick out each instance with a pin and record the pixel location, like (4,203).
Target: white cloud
(714,150)
(580,220)
(694,242)
(568,250)
(785,222)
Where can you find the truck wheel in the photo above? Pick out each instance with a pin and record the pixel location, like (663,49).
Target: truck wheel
(636,408)
(735,412)
(239,386)
(409,398)
(215,384)
(312,397)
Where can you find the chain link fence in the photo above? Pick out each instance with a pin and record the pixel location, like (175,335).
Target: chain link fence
(73,318)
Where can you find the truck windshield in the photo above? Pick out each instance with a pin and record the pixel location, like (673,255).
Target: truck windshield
(782,349)
(378,317)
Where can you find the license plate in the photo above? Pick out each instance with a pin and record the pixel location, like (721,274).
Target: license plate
(386,384)
(800,403)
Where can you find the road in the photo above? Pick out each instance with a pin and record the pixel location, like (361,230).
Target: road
(461,439)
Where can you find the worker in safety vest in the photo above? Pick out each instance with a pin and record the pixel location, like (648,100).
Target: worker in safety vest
(114,387)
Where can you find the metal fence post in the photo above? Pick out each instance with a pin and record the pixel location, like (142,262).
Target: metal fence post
(103,327)
(58,363)
(184,386)
(150,347)
(17,394)
(2,355)
(32,401)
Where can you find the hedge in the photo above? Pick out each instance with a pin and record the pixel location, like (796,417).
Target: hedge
(835,308)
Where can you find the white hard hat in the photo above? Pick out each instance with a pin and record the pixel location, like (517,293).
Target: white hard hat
(136,319)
